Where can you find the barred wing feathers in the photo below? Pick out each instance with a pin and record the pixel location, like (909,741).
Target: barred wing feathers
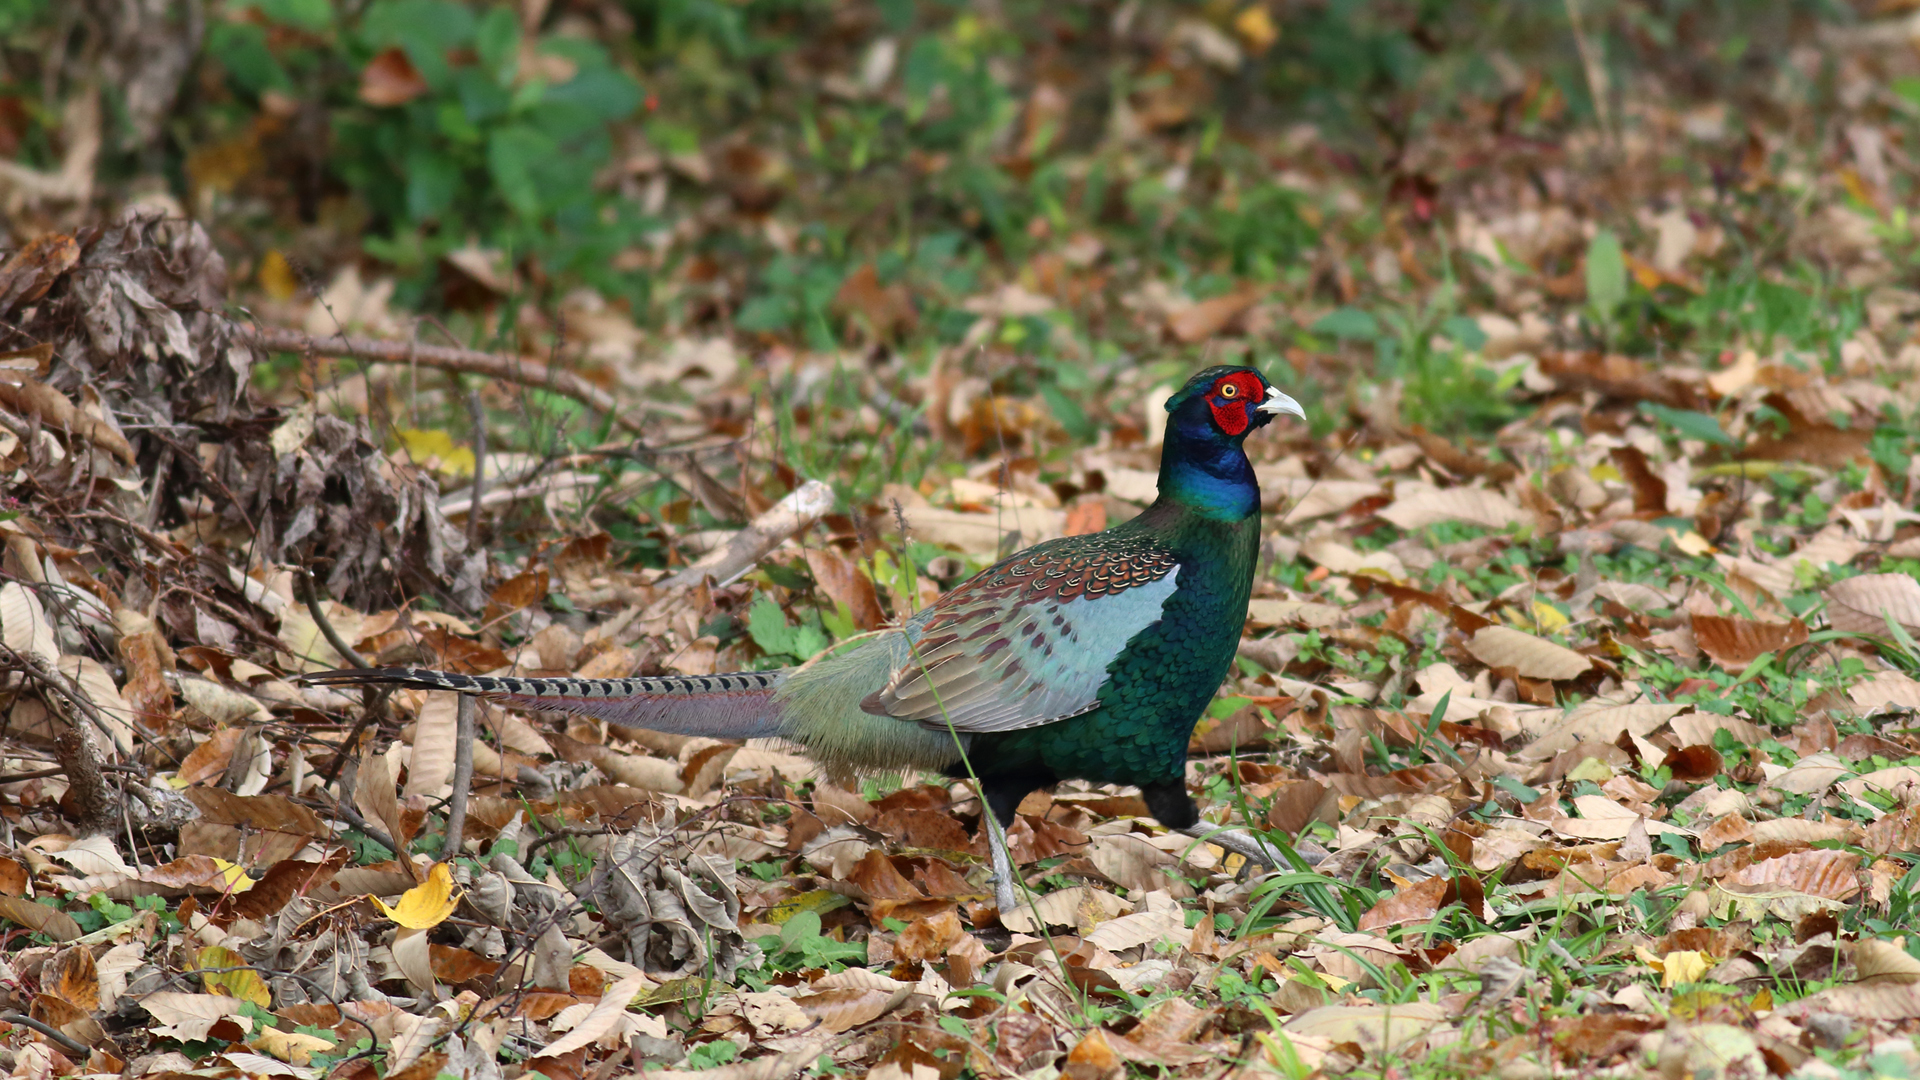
(1029,641)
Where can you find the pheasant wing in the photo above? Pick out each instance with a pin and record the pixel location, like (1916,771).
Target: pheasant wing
(1028,641)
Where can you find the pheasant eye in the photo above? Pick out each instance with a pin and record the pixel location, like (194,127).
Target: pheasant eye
(1229,391)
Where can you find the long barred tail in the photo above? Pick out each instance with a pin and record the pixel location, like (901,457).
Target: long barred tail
(737,705)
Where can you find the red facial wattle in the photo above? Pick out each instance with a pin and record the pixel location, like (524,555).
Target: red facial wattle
(1233,400)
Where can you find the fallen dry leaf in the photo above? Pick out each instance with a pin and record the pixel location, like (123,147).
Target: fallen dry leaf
(1734,643)
(1866,604)
(1533,657)
(391,79)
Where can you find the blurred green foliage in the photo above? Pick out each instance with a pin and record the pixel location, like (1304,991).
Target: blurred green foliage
(744,164)
(451,127)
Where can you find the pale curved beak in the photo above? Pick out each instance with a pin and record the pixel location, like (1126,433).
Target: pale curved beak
(1278,402)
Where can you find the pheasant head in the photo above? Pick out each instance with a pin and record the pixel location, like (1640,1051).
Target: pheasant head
(1232,401)
(1202,463)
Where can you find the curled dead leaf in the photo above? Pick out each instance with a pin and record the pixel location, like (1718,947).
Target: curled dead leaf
(1199,321)
(845,1009)
(845,583)
(73,977)
(32,270)
(1865,604)
(1830,875)
(1693,764)
(391,79)
(1649,491)
(930,938)
(1169,1035)
(1527,655)
(1733,643)
(1876,960)
(1416,903)
(1474,506)
(48,405)
(1295,804)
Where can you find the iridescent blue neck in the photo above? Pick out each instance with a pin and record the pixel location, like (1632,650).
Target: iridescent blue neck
(1207,472)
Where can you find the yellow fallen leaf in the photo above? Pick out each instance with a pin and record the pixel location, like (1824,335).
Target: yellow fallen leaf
(277,276)
(436,449)
(1693,543)
(226,972)
(1547,617)
(292,1047)
(1857,186)
(1255,27)
(818,901)
(1685,966)
(233,877)
(1541,617)
(1591,769)
(1675,968)
(427,904)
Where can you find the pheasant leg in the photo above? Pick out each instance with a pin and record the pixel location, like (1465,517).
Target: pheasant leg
(1001,795)
(1004,895)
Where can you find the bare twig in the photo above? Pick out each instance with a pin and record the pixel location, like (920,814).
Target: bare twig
(376,698)
(513,369)
(672,464)
(553,836)
(506,496)
(68,692)
(463,735)
(794,514)
(478,413)
(310,592)
(161,545)
(1596,72)
(354,818)
(154,505)
(67,1042)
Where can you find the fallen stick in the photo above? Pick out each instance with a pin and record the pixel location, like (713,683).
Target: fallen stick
(514,369)
(463,736)
(790,516)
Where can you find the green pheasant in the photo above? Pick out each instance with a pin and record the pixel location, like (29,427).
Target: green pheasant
(1086,657)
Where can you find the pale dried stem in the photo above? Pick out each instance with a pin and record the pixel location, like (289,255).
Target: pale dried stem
(463,734)
(787,518)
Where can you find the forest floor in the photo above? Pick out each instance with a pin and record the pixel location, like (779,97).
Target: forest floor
(1580,680)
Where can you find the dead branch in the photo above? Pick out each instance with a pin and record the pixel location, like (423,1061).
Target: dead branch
(310,593)
(790,516)
(462,776)
(67,1042)
(515,369)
